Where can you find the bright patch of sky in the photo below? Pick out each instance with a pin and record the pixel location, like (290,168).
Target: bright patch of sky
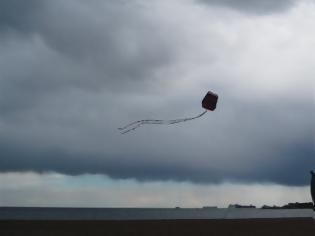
(51,189)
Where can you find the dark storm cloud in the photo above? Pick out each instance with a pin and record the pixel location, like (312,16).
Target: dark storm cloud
(288,170)
(107,40)
(256,148)
(253,6)
(18,15)
(73,71)
(58,45)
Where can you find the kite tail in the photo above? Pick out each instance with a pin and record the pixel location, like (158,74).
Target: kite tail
(134,125)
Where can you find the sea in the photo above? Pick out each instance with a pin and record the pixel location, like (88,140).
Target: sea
(55,213)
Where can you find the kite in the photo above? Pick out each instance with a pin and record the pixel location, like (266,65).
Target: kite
(209,102)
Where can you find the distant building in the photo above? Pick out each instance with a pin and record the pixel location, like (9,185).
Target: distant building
(209,207)
(296,205)
(270,207)
(241,206)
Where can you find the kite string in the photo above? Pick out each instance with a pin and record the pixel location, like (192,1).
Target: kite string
(134,125)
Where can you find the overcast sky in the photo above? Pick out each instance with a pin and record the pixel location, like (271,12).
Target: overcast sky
(72,72)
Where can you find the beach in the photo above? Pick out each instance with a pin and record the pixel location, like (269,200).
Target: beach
(285,227)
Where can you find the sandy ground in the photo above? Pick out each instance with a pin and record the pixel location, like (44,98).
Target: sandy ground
(251,227)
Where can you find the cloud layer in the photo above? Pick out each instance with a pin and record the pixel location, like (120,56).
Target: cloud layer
(71,73)
(56,190)
(254,6)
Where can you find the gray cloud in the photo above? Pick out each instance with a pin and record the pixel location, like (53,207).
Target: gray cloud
(18,15)
(89,46)
(254,6)
(70,73)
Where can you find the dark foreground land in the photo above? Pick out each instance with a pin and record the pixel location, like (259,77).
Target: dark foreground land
(251,227)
